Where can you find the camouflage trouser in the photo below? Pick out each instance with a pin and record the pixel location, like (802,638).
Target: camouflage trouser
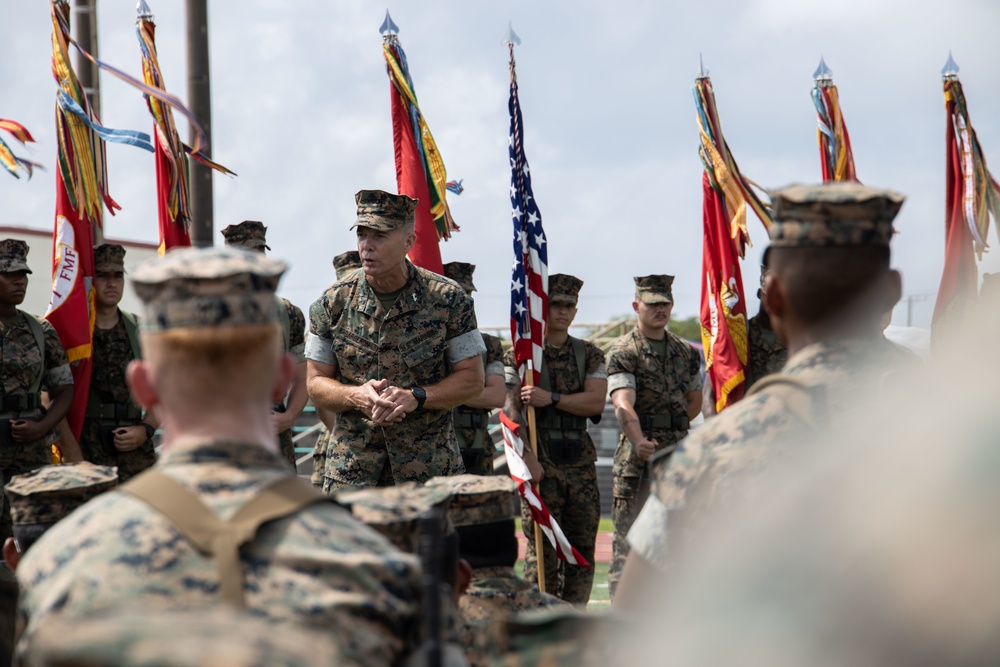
(574,501)
(288,448)
(630,494)
(319,457)
(102,453)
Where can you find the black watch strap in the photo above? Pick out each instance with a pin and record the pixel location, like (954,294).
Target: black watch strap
(420,395)
(149,430)
(556,397)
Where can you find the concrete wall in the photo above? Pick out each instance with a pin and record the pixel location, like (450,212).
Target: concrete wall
(40,260)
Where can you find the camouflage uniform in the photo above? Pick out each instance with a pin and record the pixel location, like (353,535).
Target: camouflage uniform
(314,566)
(767,353)
(396,513)
(661,386)
(495,592)
(430,327)
(296,337)
(344,264)
(472,424)
(39,499)
(143,636)
(816,385)
(109,403)
(561,638)
(22,363)
(569,487)
(251,235)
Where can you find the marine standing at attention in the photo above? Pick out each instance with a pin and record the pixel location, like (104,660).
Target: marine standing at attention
(573,388)
(252,235)
(472,418)
(116,432)
(31,360)
(655,382)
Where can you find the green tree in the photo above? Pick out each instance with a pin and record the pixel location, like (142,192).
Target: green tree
(689,328)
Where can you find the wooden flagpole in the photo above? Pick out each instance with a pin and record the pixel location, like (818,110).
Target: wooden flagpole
(533,441)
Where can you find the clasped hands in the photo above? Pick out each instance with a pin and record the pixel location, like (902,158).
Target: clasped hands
(385,404)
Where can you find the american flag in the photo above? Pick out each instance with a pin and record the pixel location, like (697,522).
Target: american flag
(529,285)
(514,451)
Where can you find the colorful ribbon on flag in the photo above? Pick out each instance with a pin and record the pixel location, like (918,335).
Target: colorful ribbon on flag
(172,167)
(513,448)
(433,164)
(726,193)
(12,163)
(722,169)
(980,191)
(837,158)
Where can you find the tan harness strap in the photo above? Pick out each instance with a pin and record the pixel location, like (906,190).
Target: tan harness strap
(796,395)
(212,536)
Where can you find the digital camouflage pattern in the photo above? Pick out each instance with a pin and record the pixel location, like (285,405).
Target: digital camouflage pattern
(50,493)
(476,499)
(296,337)
(319,457)
(824,381)
(495,594)
(564,288)
(461,273)
(319,567)
(383,211)
(569,490)
(141,636)
(207,287)
(249,235)
(13,256)
(767,353)
(833,214)
(112,354)
(560,637)
(472,438)
(109,258)
(660,386)
(21,362)
(431,326)
(346,262)
(654,289)
(395,511)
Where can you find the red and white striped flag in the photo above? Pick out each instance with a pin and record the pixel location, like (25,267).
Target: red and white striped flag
(513,447)
(529,283)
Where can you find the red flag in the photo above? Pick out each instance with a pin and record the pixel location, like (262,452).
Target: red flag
(411,180)
(514,450)
(71,306)
(723,306)
(960,274)
(172,232)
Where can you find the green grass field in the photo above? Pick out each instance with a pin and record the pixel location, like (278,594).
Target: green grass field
(599,598)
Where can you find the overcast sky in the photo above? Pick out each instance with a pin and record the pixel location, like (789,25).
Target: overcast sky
(301,113)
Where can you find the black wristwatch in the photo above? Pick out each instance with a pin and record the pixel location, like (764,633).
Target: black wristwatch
(420,395)
(556,398)
(149,430)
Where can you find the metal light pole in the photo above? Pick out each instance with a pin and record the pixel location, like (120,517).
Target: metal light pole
(200,103)
(85,22)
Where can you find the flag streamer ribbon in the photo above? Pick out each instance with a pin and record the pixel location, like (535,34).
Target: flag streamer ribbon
(726,194)
(722,169)
(834,140)
(172,162)
(980,191)
(514,451)
(433,164)
(13,163)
